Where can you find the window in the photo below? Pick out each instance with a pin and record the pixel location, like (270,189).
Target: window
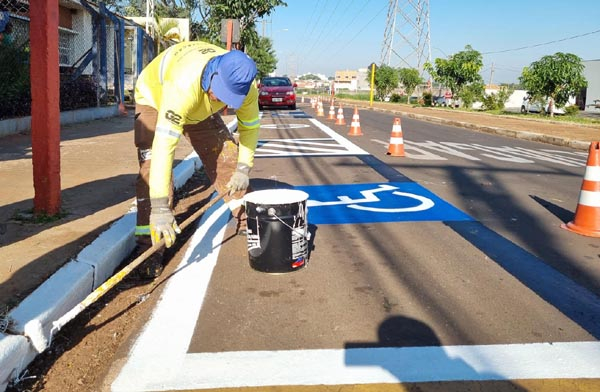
(66,39)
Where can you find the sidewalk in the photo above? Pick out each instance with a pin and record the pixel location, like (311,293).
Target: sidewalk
(98,170)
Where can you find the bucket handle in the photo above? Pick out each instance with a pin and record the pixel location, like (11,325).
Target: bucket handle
(306,234)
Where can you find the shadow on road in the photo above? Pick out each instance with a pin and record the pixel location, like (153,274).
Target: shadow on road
(411,352)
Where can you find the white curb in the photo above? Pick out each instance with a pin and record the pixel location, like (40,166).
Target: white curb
(34,316)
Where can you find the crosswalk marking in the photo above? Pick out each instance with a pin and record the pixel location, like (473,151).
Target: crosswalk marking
(300,147)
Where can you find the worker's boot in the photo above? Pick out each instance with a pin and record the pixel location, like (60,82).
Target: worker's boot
(153,266)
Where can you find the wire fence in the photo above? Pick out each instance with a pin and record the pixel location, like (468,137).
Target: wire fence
(100,56)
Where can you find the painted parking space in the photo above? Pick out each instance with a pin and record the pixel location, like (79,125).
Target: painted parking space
(171,366)
(174,365)
(371,203)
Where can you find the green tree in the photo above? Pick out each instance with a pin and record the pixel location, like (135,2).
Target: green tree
(264,56)
(386,80)
(555,77)
(208,26)
(246,11)
(458,71)
(162,8)
(166,33)
(309,77)
(410,78)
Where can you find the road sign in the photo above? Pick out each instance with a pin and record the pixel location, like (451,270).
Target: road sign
(233,34)
(372,203)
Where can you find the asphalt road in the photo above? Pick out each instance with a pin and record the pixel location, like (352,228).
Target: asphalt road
(446,264)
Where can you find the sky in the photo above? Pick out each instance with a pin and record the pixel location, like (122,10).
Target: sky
(322,36)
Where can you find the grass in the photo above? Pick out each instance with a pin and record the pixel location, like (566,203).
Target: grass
(543,117)
(29,216)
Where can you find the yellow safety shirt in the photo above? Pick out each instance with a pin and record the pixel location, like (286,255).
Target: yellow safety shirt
(172,84)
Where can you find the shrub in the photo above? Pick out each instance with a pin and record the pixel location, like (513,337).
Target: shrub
(14,82)
(79,93)
(427,98)
(396,98)
(571,110)
(496,101)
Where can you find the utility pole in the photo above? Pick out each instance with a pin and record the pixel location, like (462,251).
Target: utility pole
(264,28)
(491,75)
(150,18)
(406,38)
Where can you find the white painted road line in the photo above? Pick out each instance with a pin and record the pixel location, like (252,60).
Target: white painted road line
(423,151)
(351,147)
(378,365)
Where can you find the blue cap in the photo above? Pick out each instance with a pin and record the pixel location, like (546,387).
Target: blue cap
(233,78)
(4,19)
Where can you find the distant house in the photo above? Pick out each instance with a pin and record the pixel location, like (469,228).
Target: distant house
(590,97)
(346,80)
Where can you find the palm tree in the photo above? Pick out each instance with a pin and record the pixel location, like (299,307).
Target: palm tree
(166,33)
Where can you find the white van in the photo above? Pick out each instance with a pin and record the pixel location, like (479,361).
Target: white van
(529,106)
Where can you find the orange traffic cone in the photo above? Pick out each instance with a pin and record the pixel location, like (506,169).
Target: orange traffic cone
(340,117)
(320,112)
(331,112)
(587,214)
(396,147)
(355,125)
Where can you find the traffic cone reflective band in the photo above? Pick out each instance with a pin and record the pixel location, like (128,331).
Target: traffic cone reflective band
(340,117)
(355,125)
(331,112)
(396,147)
(320,109)
(587,214)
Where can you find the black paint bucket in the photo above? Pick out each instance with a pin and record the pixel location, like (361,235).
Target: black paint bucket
(277,230)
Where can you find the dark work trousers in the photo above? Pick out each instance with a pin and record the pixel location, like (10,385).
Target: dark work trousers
(214,145)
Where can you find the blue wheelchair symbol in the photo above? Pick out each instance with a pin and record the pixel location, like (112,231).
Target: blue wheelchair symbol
(371,203)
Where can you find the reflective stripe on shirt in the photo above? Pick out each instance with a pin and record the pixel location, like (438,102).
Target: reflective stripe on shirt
(250,124)
(167,132)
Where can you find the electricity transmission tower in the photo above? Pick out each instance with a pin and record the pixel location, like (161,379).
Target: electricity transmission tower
(406,40)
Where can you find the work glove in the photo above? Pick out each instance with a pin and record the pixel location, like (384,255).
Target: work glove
(162,222)
(239,180)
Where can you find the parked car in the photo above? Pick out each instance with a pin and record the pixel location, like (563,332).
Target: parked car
(438,101)
(276,91)
(529,106)
(443,101)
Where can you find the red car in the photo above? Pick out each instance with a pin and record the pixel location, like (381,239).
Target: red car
(276,91)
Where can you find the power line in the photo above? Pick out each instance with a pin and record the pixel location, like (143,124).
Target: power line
(348,25)
(360,31)
(545,43)
(326,25)
(310,20)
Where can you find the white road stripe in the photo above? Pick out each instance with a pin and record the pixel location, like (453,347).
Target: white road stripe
(351,147)
(159,358)
(421,151)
